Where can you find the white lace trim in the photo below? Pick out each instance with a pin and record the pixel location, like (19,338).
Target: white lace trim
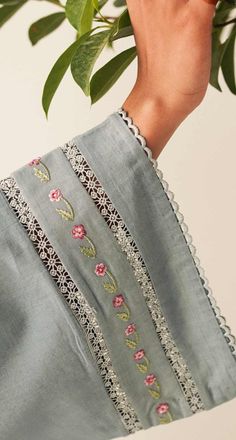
(129,247)
(77,303)
(230,338)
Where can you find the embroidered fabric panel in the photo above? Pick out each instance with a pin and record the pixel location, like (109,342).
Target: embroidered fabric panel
(230,338)
(129,247)
(119,302)
(76,301)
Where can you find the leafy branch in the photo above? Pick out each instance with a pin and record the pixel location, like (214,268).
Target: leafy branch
(95,30)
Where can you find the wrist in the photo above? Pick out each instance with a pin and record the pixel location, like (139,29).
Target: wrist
(156,117)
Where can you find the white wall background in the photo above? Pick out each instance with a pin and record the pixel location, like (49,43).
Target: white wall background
(198,162)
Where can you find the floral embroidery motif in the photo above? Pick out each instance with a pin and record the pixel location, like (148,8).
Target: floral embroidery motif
(118,301)
(101,270)
(56,195)
(139,356)
(79,232)
(40,169)
(131,330)
(128,245)
(77,302)
(151,380)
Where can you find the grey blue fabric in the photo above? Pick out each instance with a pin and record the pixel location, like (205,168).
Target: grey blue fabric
(52,385)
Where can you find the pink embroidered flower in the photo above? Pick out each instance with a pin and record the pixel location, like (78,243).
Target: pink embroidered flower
(35,162)
(100,269)
(139,355)
(118,300)
(131,328)
(78,231)
(150,379)
(55,195)
(162,408)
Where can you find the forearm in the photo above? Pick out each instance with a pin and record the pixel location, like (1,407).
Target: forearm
(173,42)
(155,117)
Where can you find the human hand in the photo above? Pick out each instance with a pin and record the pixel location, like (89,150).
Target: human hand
(173,39)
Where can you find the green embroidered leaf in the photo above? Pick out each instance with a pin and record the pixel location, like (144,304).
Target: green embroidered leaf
(142,368)
(123,316)
(154,393)
(88,251)
(130,343)
(42,176)
(164,420)
(66,215)
(45,26)
(109,287)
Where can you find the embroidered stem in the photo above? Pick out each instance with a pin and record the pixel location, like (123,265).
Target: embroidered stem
(66,215)
(43,176)
(132,343)
(167,418)
(110,287)
(47,172)
(112,278)
(89,251)
(143,367)
(124,316)
(155,393)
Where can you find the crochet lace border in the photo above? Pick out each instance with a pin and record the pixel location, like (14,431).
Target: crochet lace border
(230,338)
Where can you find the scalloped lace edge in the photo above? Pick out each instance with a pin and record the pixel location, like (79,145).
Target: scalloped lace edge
(230,338)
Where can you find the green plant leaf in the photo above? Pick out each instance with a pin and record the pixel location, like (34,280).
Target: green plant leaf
(85,57)
(122,33)
(6,12)
(218,51)
(87,18)
(58,71)
(228,63)
(78,12)
(222,13)
(124,19)
(119,3)
(9,2)
(122,26)
(105,77)
(45,26)
(231,2)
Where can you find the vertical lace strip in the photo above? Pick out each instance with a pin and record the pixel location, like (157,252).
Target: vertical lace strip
(77,303)
(230,338)
(129,247)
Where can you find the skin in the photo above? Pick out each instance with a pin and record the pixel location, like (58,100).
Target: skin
(173,39)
